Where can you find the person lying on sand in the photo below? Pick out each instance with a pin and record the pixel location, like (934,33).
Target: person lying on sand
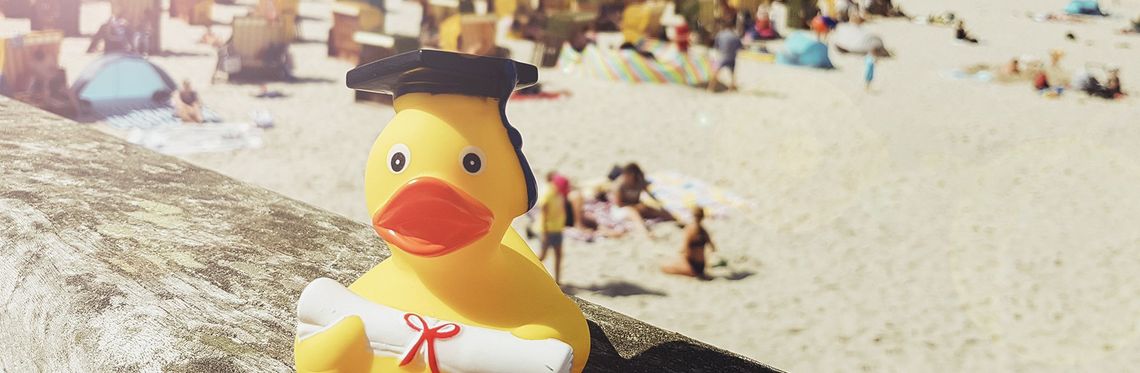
(1012,68)
(961,34)
(1109,90)
(692,261)
(626,196)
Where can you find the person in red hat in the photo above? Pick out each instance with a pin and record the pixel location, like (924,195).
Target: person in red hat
(554,219)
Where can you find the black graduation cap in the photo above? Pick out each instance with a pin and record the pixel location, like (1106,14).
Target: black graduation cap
(442,72)
(436,71)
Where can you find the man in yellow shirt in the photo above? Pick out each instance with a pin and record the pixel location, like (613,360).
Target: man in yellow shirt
(553,220)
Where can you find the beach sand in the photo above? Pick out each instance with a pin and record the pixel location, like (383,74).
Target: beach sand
(928,225)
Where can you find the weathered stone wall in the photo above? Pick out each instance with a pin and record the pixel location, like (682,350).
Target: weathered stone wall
(115,258)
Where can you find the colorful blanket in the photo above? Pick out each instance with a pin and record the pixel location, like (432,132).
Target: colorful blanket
(668,66)
(678,193)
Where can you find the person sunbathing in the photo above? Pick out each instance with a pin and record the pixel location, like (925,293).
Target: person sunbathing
(187,104)
(961,34)
(692,261)
(1013,68)
(1109,90)
(626,196)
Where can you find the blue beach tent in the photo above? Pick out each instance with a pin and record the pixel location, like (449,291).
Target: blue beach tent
(801,49)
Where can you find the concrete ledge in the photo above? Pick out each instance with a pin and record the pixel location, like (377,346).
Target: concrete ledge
(113,257)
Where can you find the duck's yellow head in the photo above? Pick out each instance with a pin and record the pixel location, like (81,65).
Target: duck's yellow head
(444,176)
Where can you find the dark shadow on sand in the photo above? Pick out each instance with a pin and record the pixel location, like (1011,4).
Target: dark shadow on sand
(737,275)
(766,94)
(672,356)
(613,289)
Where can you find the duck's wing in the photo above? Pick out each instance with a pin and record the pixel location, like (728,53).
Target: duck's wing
(515,242)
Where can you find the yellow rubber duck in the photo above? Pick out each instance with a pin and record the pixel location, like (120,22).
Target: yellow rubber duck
(444,180)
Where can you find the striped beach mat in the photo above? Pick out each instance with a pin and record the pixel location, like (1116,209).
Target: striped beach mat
(670,66)
(679,193)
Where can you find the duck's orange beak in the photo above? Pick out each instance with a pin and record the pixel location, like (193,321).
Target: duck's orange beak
(428,217)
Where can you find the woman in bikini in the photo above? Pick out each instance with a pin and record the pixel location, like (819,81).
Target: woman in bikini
(693,251)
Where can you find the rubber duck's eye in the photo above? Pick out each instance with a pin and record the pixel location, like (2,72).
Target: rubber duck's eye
(471,158)
(398,158)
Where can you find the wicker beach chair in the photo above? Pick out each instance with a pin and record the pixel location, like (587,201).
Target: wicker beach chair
(16,58)
(348,19)
(261,46)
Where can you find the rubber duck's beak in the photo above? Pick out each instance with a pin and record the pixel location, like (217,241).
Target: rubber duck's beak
(428,217)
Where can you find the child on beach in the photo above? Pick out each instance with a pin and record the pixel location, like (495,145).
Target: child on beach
(868,70)
(728,44)
(693,250)
(553,220)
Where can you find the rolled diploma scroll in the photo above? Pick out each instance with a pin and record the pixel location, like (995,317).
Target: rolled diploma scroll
(325,302)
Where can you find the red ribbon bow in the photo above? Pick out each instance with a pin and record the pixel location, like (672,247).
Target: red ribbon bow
(427,335)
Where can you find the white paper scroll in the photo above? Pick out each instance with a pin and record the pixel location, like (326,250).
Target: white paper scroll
(324,302)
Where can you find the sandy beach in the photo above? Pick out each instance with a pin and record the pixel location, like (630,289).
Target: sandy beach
(931,224)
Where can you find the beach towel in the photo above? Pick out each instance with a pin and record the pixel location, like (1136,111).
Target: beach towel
(984,76)
(152,117)
(678,193)
(203,138)
(668,66)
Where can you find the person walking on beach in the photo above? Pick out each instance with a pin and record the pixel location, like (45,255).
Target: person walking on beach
(727,42)
(869,70)
(553,220)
